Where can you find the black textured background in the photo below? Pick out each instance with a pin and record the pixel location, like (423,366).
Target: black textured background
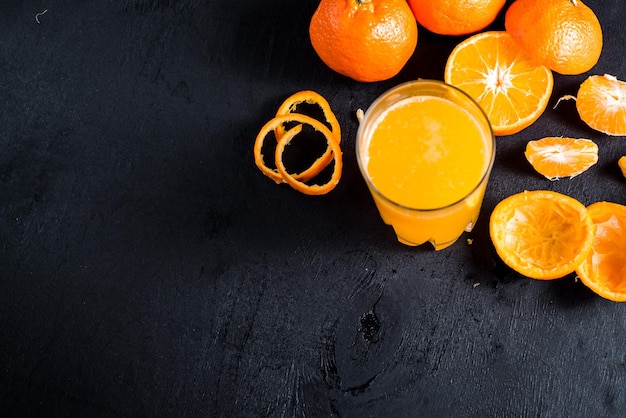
(147,268)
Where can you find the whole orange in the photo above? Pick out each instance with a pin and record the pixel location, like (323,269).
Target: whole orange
(366,40)
(563,35)
(455,17)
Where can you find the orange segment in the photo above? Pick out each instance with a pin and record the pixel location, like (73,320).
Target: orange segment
(601,104)
(512,90)
(558,157)
(604,269)
(541,234)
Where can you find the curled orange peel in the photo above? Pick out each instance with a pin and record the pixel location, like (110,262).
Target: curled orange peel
(310,97)
(259,159)
(297,181)
(293,181)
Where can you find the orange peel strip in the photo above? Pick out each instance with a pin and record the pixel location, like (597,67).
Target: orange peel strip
(259,159)
(299,185)
(315,168)
(310,97)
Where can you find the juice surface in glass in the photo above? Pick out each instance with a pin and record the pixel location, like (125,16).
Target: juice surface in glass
(426,150)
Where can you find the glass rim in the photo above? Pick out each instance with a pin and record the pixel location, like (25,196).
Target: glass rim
(438,84)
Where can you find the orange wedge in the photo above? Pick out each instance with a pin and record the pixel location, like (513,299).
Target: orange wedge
(558,157)
(541,234)
(512,90)
(601,104)
(604,269)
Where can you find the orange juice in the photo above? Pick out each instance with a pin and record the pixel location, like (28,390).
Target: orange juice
(426,150)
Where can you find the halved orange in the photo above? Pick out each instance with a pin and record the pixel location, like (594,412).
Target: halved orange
(558,157)
(541,234)
(604,269)
(601,104)
(512,89)
(622,164)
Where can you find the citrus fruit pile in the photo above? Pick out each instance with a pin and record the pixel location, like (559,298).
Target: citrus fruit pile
(540,234)
(508,72)
(288,114)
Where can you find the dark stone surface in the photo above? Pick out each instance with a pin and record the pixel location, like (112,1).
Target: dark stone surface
(147,268)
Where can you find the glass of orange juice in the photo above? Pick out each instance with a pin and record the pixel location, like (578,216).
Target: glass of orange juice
(425,150)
